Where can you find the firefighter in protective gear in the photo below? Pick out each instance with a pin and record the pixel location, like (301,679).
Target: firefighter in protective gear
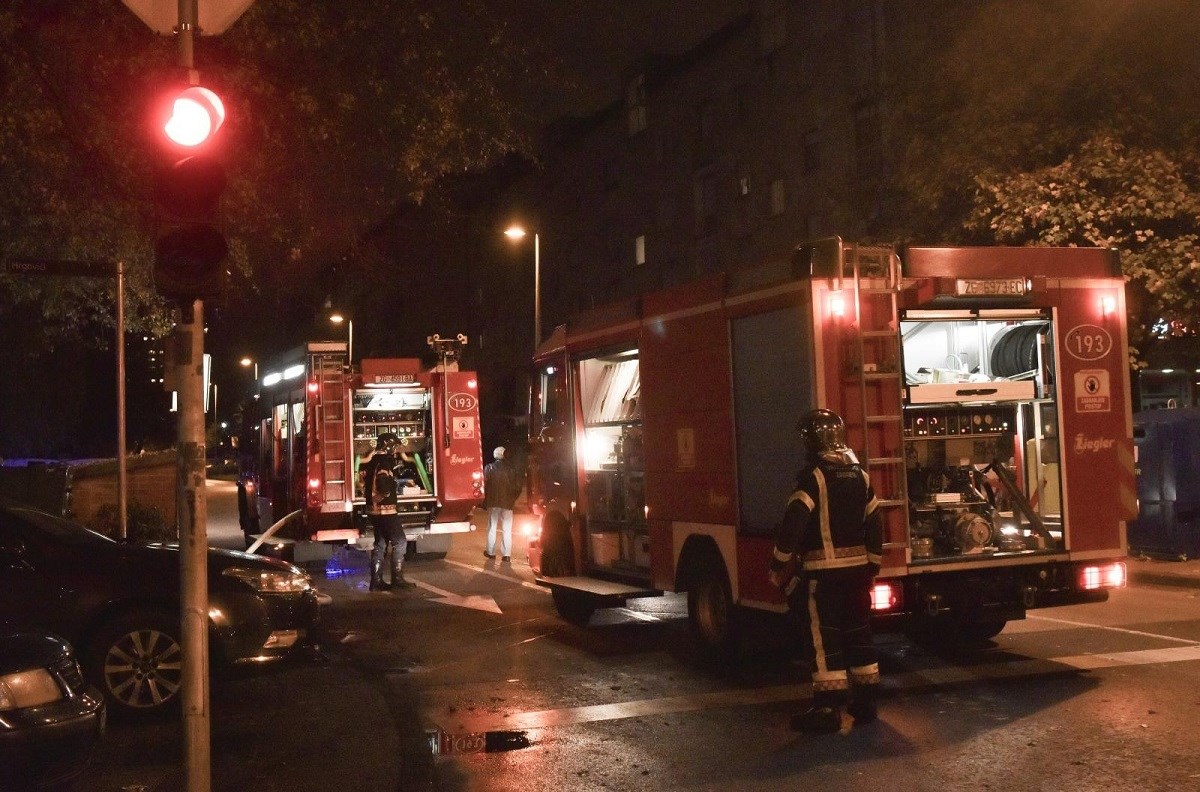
(826,554)
(381,489)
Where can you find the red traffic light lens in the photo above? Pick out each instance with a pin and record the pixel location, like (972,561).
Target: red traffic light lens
(196,114)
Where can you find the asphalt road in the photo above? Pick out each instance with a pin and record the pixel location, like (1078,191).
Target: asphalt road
(1082,698)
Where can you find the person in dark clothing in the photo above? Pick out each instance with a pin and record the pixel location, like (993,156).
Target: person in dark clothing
(826,554)
(381,490)
(501,486)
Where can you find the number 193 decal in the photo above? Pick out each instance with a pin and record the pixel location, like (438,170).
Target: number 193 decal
(1088,342)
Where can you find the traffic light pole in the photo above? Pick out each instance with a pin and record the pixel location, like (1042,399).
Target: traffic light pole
(191,506)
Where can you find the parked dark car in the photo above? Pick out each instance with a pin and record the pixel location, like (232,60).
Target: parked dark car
(49,718)
(118,603)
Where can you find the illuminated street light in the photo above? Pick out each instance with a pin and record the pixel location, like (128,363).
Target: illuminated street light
(337,318)
(516,232)
(247,362)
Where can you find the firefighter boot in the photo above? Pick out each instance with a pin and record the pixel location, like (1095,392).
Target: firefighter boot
(398,581)
(377,581)
(862,704)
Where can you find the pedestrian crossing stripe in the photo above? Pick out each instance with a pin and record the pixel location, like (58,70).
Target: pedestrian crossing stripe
(903,681)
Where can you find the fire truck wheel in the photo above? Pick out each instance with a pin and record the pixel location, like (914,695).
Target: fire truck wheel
(558,556)
(711,613)
(573,606)
(949,632)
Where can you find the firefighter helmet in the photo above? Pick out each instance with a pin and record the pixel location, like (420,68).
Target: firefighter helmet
(822,430)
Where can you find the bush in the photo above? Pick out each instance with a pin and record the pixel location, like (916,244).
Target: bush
(145,523)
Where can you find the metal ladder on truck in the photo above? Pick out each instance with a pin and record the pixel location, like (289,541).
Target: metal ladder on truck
(879,383)
(328,370)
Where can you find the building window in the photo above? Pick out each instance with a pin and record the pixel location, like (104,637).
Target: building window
(707,120)
(812,152)
(635,104)
(704,195)
(772,25)
(868,138)
(639,250)
(778,197)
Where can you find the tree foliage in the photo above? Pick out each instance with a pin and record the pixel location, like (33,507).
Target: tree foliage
(1145,203)
(337,113)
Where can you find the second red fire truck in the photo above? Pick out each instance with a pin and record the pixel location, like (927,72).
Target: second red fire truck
(322,416)
(985,391)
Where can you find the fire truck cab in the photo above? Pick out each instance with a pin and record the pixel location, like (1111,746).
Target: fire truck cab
(322,417)
(985,392)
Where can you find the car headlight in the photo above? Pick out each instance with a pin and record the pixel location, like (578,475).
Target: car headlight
(270,581)
(28,689)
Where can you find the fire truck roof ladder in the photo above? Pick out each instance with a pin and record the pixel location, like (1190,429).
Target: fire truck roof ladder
(876,349)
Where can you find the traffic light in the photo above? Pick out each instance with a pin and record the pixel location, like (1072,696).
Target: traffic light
(190,248)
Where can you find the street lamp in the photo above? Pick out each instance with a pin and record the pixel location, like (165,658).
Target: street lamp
(517,232)
(337,318)
(247,362)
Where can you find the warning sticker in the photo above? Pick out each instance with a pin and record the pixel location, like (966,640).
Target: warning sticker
(1092,391)
(685,448)
(464,427)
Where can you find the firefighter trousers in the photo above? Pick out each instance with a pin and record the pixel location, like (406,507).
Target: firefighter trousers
(833,610)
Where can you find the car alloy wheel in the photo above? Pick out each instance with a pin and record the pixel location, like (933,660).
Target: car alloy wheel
(140,663)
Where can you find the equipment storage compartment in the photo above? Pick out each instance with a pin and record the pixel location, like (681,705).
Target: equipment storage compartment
(975,355)
(404,412)
(981,445)
(614,500)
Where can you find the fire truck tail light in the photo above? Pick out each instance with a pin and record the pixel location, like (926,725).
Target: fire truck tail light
(475,474)
(312,386)
(837,304)
(1108,305)
(314,483)
(471,383)
(885,595)
(1111,575)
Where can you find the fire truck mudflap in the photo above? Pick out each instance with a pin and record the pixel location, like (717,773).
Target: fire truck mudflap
(984,390)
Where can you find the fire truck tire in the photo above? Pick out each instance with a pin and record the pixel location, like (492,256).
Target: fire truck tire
(949,632)
(573,606)
(712,614)
(558,556)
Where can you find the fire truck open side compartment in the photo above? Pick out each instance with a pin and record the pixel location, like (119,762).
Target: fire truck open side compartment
(322,421)
(984,390)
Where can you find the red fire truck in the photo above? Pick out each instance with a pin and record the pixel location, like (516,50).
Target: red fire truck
(322,417)
(984,390)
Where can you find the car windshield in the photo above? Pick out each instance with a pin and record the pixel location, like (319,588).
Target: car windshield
(59,529)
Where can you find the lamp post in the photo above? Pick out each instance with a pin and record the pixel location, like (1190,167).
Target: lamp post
(338,318)
(517,232)
(248,362)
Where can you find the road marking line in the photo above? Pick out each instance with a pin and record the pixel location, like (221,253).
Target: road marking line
(1114,629)
(907,680)
(495,574)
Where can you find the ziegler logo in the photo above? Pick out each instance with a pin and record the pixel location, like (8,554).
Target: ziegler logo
(1083,444)
(455,459)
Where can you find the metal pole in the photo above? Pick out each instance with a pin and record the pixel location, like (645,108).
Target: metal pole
(122,467)
(537,292)
(191,504)
(349,341)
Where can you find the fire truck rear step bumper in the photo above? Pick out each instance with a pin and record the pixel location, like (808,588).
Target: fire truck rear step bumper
(599,588)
